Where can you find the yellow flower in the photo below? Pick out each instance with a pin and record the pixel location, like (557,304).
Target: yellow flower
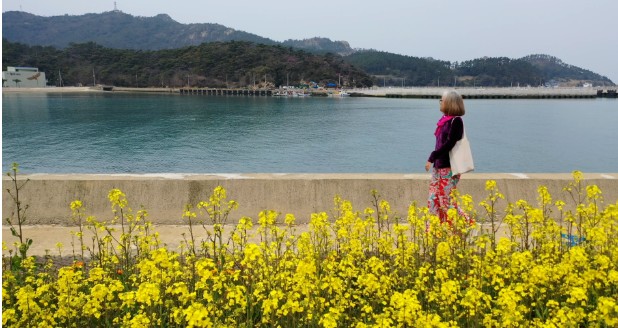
(449,292)
(578,295)
(197,315)
(475,301)
(139,321)
(128,299)
(289,219)
(560,204)
(76,205)
(329,320)
(117,198)
(577,176)
(8,315)
(607,309)
(148,293)
(593,192)
(443,252)
(544,197)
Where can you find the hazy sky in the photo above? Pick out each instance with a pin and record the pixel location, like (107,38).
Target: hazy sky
(580,32)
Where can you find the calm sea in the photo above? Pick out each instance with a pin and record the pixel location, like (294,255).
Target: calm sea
(146,133)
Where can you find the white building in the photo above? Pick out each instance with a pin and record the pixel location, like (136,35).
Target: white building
(23,77)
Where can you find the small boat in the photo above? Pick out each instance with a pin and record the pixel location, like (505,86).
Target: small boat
(340,93)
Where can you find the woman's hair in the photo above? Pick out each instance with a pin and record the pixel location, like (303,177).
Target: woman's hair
(453,103)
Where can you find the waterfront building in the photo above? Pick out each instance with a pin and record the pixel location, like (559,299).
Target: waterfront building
(23,77)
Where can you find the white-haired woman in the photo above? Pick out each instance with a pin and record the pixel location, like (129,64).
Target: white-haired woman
(449,130)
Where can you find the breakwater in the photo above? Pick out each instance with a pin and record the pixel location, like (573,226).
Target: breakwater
(165,196)
(489,93)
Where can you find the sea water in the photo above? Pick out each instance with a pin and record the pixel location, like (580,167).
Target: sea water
(171,133)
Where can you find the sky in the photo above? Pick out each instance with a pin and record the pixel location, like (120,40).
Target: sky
(579,32)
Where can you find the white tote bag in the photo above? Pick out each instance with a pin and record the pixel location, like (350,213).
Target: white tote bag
(461,156)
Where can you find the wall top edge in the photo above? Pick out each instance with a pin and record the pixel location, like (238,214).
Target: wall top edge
(310,176)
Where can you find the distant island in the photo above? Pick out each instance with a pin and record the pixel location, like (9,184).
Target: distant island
(115,48)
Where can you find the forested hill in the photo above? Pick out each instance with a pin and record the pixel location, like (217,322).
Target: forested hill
(115,29)
(216,64)
(533,70)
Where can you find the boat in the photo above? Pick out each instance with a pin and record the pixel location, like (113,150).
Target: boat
(302,94)
(340,93)
(280,94)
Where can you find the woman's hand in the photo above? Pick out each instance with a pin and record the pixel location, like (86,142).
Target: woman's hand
(427,166)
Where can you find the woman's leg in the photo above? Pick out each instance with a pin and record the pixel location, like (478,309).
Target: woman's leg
(452,203)
(440,187)
(443,182)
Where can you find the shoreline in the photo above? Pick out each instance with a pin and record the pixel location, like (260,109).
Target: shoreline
(51,90)
(382,92)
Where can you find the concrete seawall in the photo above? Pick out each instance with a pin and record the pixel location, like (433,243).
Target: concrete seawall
(164,196)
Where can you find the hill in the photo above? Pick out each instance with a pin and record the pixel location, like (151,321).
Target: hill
(217,64)
(556,71)
(534,70)
(115,29)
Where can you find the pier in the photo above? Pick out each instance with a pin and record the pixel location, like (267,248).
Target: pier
(606,93)
(225,92)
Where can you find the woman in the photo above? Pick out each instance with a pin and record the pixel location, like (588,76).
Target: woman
(449,130)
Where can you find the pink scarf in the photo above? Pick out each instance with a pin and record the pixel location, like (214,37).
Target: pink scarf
(441,122)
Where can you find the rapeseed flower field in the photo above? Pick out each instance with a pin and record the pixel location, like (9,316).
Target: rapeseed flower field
(548,264)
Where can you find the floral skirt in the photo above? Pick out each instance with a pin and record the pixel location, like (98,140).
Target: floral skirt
(442,183)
